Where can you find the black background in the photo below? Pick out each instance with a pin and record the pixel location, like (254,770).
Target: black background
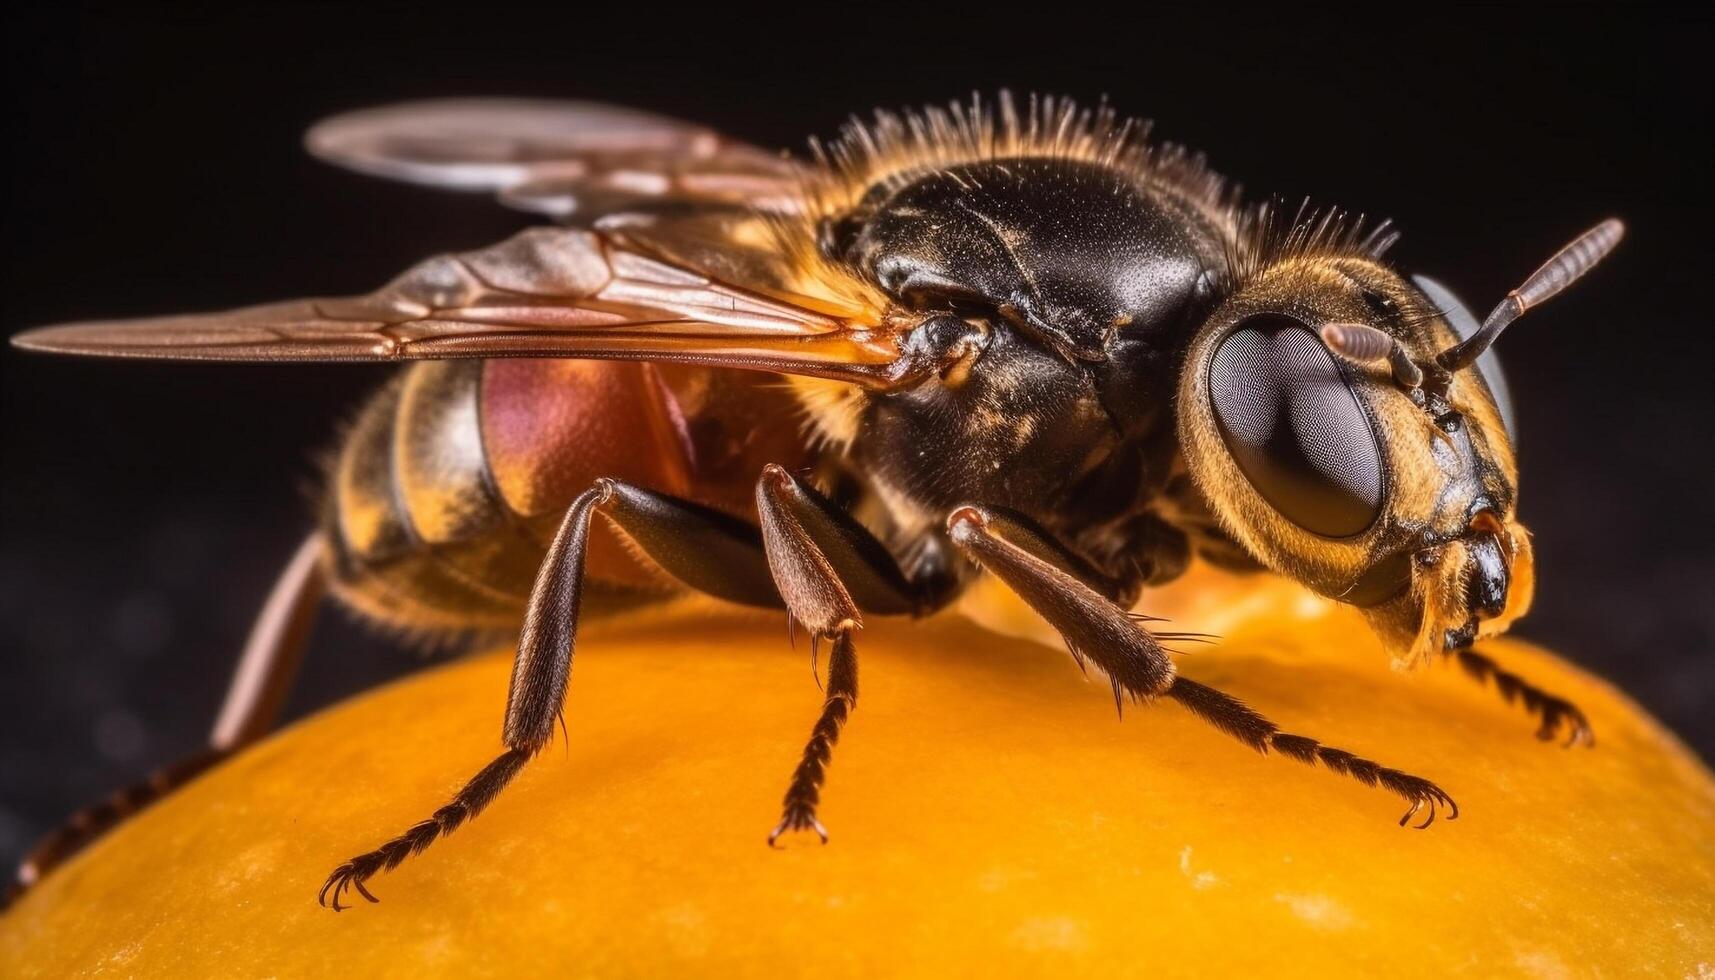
(154,166)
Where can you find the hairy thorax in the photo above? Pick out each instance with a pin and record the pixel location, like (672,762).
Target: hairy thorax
(1059,293)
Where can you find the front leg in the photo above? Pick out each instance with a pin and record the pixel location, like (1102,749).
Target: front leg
(1047,577)
(1063,590)
(1554,711)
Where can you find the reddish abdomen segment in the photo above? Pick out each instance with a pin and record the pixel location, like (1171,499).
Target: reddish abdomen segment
(454,478)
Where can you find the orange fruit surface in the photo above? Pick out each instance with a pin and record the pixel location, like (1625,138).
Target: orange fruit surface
(990,815)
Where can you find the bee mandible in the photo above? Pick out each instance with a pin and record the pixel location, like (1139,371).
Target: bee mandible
(1021,340)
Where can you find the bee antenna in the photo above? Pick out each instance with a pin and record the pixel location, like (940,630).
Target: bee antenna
(1564,269)
(1364,344)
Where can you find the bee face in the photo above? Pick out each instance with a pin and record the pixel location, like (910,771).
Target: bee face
(1396,499)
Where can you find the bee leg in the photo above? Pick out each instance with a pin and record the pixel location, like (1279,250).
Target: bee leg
(826,567)
(707,550)
(1553,710)
(1049,579)
(1244,723)
(1062,590)
(804,792)
(259,687)
(272,654)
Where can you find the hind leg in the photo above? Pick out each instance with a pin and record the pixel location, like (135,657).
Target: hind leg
(259,687)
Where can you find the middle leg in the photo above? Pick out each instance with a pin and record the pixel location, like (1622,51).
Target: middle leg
(827,567)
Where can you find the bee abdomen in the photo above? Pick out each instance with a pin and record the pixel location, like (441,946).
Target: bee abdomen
(420,537)
(456,476)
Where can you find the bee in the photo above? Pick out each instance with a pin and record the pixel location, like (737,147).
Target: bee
(1020,340)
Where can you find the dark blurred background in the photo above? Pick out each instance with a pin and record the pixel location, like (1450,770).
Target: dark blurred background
(154,166)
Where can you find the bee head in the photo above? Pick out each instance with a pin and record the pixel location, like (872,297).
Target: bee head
(1353,431)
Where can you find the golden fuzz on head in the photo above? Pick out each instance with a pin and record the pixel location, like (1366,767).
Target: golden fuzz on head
(1268,237)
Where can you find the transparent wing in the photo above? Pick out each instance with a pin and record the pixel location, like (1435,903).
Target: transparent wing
(547,292)
(553,157)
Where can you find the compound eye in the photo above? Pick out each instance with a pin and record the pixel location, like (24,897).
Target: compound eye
(1294,426)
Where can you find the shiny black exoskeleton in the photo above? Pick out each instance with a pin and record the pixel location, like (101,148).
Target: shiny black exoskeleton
(1068,288)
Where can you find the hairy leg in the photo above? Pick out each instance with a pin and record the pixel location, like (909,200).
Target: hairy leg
(259,687)
(1555,712)
(707,550)
(807,556)
(1044,574)
(827,567)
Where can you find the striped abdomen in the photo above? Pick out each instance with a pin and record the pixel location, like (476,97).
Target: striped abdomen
(452,482)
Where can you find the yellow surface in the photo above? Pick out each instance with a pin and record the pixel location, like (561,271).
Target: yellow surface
(989,816)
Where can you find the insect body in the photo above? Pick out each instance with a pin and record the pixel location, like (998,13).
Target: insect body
(449,487)
(1021,343)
